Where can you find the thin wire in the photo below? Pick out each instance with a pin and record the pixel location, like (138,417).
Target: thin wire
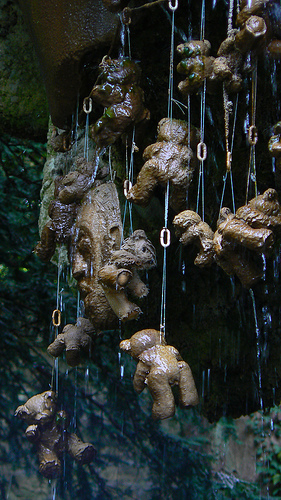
(201,183)
(129,170)
(252,175)
(170,115)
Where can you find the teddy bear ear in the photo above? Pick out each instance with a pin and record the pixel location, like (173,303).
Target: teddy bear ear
(49,398)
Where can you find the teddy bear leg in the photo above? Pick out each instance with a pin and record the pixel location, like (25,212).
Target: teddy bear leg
(161,392)
(50,465)
(147,180)
(123,308)
(80,451)
(187,390)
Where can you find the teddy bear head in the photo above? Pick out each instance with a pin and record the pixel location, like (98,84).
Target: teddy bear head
(172,130)
(140,342)
(121,70)
(41,408)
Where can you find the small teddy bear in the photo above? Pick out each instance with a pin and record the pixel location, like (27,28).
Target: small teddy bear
(118,91)
(191,229)
(160,366)
(169,159)
(47,429)
(196,65)
(121,273)
(74,339)
(59,227)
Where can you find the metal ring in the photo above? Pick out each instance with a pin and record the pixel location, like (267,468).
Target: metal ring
(173,7)
(126,187)
(228,161)
(165,237)
(87,105)
(56,317)
(253,135)
(201,151)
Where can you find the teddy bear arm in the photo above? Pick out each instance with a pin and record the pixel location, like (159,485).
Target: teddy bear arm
(122,307)
(137,287)
(147,180)
(152,150)
(188,395)
(56,348)
(112,276)
(32,432)
(140,376)
(45,249)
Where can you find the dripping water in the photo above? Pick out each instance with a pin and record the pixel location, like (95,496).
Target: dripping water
(258,347)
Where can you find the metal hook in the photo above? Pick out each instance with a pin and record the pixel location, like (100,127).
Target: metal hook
(253,135)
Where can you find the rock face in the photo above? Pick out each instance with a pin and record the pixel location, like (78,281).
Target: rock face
(63,33)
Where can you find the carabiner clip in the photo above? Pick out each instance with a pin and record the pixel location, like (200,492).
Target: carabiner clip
(253,135)
(87,105)
(165,237)
(201,151)
(56,317)
(126,187)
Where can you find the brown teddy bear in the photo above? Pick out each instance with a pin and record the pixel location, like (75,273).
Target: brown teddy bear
(169,159)
(74,339)
(121,273)
(191,229)
(47,429)
(160,366)
(118,91)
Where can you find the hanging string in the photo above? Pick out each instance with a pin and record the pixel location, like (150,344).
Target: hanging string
(202,154)
(129,172)
(56,320)
(253,133)
(165,233)
(230,17)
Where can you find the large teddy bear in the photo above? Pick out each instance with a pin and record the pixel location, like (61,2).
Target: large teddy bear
(160,366)
(47,429)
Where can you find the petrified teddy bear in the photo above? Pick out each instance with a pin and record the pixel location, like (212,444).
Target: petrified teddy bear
(119,92)
(169,159)
(59,228)
(191,229)
(196,65)
(160,366)
(121,273)
(47,429)
(251,228)
(74,339)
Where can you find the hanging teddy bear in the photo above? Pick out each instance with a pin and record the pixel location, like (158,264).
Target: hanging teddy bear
(190,228)
(47,429)
(196,65)
(169,159)
(120,275)
(74,339)
(118,91)
(160,367)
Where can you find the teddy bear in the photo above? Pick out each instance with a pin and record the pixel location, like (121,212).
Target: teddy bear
(74,339)
(160,367)
(120,274)
(47,429)
(190,228)
(169,159)
(196,65)
(118,91)
(58,229)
